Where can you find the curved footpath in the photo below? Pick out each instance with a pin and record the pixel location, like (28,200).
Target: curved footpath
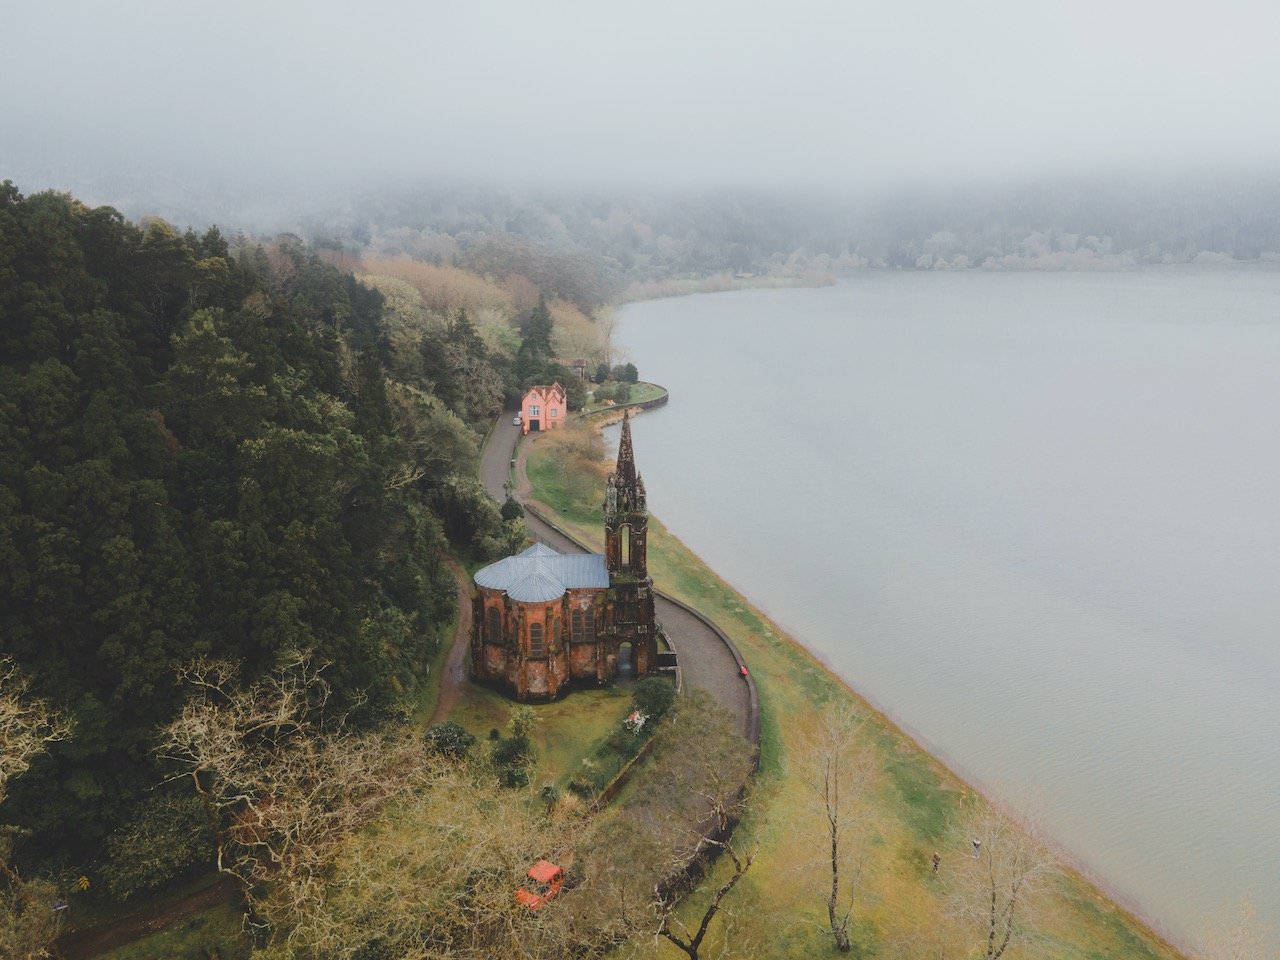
(708,658)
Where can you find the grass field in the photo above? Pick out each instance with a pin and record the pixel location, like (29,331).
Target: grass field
(568,729)
(911,801)
(640,393)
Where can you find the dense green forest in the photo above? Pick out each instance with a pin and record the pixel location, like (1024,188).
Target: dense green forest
(212,448)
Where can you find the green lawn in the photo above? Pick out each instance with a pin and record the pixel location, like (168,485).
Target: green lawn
(568,730)
(640,393)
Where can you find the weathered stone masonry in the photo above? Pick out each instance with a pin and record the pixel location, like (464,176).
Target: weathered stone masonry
(544,620)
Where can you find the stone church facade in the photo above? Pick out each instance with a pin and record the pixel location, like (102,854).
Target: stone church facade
(543,620)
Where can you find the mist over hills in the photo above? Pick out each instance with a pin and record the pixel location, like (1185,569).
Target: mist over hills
(648,235)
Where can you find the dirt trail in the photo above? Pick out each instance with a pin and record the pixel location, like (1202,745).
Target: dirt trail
(454,678)
(84,944)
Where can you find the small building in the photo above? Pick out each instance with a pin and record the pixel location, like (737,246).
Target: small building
(543,620)
(578,366)
(543,408)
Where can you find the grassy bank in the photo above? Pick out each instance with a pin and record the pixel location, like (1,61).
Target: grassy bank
(909,808)
(722,283)
(640,392)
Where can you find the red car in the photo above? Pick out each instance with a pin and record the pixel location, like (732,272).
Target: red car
(544,882)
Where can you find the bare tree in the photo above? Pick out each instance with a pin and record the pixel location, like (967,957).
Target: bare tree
(837,767)
(438,872)
(671,928)
(639,860)
(607,322)
(283,787)
(27,724)
(1001,874)
(28,921)
(343,840)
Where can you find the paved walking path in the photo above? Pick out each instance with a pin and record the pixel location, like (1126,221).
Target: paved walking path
(706,660)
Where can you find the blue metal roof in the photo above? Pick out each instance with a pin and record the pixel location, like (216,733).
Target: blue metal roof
(538,574)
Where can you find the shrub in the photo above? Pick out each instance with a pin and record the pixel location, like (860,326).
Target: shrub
(512,752)
(167,834)
(654,696)
(522,722)
(584,780)
(514,777)
(550,795)
(449,739)
(623,742)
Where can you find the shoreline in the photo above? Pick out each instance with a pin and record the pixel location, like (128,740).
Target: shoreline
(718,283)
(950,771)
(721,283)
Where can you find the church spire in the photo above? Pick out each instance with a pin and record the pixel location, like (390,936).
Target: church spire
(626,472)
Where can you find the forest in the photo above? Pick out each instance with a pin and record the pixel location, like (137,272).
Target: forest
(220,449)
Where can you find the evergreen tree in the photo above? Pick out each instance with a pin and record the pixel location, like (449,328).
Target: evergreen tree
(537,333)
(201,453)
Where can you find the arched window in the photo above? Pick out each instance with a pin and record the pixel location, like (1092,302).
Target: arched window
(591,625)
(578,627)
(624,545)
(493,632)
(536,647)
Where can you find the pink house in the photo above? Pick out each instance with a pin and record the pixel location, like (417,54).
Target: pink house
(543,408)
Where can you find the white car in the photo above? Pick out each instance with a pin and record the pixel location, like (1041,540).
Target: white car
(516,421)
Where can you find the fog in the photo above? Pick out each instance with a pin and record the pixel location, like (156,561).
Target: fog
(840,95)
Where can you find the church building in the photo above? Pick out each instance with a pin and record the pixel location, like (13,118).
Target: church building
(543,620)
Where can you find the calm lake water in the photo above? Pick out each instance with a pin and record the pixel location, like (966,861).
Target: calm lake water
(1034,517)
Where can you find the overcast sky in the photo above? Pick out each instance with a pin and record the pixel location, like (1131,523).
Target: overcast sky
(690,93)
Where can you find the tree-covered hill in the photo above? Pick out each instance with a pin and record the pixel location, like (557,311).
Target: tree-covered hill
(202,452)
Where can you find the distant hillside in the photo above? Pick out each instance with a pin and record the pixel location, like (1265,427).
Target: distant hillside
(591,247)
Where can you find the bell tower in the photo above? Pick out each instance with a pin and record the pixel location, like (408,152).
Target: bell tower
(626,523)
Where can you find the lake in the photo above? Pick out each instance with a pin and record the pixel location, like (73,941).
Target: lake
(1035,517)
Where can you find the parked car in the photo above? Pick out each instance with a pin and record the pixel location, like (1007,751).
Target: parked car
(516,421)
(543,882)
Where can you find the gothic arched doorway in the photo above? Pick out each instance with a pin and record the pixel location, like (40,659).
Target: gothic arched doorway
(626,661)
